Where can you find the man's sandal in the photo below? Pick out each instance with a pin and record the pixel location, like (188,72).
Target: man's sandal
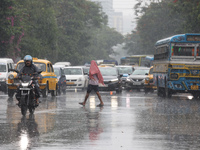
(100,105)
(82,103)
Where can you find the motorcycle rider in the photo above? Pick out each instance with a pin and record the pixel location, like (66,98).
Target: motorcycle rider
(29,68)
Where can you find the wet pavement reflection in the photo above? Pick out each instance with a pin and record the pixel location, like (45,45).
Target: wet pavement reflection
(131,120)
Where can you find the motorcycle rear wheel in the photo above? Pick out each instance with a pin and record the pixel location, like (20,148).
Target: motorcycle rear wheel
(31,109)
(23,110)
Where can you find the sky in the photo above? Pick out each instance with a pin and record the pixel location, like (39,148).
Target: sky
(126,6)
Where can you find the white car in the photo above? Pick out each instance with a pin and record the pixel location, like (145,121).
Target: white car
(5,65)
(75,77)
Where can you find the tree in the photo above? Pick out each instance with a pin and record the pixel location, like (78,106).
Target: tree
(61,30)
(41,29)
(163,19)
(10,28)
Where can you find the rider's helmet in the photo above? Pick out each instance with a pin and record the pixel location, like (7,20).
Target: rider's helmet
(28,58)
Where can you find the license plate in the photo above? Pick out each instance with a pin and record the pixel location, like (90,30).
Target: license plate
(70,82)
(194,87)
(136,83)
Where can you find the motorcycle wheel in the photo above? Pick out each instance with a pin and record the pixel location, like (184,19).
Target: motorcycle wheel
(31,109)
(23,105)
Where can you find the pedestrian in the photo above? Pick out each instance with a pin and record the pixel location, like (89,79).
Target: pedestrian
(95,77)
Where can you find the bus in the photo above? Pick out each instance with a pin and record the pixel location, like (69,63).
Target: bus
(177,65)
(137,60)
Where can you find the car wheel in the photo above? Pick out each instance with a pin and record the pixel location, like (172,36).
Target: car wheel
(54,92)
(10,93)
(45,91)
(152,90)
(6,90)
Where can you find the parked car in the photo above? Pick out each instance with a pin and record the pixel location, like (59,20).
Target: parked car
(5,65)
(75,77)
(112,79)
(125,71)
(49,82)
(61,78)
(148,83)
(136,79)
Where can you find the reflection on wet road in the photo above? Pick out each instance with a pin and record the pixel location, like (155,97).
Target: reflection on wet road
(131,120)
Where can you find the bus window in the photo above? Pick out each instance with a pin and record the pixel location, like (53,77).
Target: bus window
(183,51)
(161,53)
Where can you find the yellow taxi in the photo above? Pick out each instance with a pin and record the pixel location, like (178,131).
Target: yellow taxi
(148,83)
(48,84)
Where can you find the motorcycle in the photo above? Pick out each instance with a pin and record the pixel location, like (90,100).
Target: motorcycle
(27,92)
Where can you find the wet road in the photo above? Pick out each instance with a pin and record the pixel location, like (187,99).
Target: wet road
(131,120)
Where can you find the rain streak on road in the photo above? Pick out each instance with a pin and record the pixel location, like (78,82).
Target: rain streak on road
(131,120)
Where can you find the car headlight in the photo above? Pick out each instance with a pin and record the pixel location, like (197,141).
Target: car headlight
(11,77)
(80,79)
(3,79)
(114,80)
(128,79)
(147,78)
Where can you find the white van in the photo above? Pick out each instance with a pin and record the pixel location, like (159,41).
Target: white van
(64,64)
(5,65)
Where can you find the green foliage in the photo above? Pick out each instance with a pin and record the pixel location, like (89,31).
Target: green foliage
(101,43)
(160,20)
(61,30)
(10,27)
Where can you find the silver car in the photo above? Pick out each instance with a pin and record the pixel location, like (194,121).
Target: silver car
(137,78)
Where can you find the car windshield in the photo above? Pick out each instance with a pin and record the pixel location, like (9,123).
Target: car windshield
(107,71)
(73,71)
(125,70)
(41,66)
(86,70)
(140,71)
(2,68)
(56,71)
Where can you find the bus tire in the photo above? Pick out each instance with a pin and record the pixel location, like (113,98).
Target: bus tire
(159,93)
(167,91)
(195,95)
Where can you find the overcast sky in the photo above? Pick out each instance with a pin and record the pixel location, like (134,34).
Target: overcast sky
(126,6)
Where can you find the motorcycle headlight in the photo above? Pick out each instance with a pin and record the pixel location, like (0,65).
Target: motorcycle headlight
(114,80)
(11,77)
(147,78)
